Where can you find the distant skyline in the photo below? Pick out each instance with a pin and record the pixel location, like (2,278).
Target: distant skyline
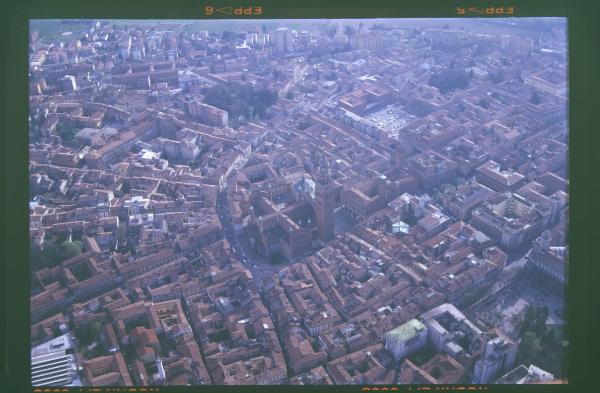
(219,25)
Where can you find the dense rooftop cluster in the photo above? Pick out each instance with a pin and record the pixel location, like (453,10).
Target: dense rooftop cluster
(327,205)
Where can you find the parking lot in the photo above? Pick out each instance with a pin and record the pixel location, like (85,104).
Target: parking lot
(391,119)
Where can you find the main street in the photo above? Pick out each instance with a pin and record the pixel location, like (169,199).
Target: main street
(259,266)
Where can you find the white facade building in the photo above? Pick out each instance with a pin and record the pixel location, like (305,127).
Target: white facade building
(406,339)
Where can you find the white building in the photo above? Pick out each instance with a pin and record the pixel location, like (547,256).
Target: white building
(497,359)
(257,39)
(52,365)
(406,339)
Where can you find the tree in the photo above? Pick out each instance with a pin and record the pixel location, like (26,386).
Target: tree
(303,124)
(534,320)
(66,133)
(227,35)
(276,258)
(450,79)
(125,187)
(549,338)
(438,197)
(484,103)
(496,77)
(541,344)
(330,30)
(35,255)
(121,235)
(70,249)
(531,344)
(535,99)
(50,255)
(96,329)
(83,335)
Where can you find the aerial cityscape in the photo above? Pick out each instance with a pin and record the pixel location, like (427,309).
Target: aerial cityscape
(298,202)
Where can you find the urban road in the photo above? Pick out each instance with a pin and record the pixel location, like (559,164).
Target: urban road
(259,266)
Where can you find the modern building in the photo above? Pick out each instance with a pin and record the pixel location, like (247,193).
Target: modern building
(406,339)
(283,40)
(257,40)
(206,113)
(497,358)
(53,363)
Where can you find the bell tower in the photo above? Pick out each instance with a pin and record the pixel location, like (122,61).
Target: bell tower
(324,201)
